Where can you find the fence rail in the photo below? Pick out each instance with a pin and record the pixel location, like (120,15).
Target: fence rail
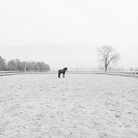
(123,73)
(5,73)
(118,73)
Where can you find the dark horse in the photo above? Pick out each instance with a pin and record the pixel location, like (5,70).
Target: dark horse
(62,71)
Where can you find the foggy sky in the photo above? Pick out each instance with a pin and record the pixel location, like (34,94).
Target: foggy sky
(67,33)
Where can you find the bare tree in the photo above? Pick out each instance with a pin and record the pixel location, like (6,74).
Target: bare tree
(107,56)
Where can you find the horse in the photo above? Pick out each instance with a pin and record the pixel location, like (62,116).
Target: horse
(62,71)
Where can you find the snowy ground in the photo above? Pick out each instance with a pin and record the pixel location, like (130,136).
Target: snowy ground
(78,106)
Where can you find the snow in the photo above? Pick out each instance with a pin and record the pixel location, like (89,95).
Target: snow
(78,106)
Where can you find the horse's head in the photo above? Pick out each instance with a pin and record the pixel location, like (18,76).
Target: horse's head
(65,69)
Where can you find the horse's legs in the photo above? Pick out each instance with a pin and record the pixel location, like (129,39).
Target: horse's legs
(63,75)
(59,74)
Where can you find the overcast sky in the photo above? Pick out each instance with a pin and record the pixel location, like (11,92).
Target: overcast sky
(67,32)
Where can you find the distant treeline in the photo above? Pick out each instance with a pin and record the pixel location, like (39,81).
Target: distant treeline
(17,65)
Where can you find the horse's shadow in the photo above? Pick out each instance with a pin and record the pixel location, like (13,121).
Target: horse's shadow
(62,71)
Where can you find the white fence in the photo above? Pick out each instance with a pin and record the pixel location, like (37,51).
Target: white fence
(123,73)
(119,73)
(5,73)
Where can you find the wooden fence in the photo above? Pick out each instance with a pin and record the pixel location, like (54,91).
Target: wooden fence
(5,73)
(123,73)
(118,73)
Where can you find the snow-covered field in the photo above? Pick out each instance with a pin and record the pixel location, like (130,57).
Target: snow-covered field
(78,106)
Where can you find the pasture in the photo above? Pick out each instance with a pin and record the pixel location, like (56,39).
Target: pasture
(78,106)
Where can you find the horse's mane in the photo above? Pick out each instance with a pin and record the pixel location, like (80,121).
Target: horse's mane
(65,68)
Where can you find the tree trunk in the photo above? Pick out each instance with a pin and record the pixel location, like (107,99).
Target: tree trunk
(106,67)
